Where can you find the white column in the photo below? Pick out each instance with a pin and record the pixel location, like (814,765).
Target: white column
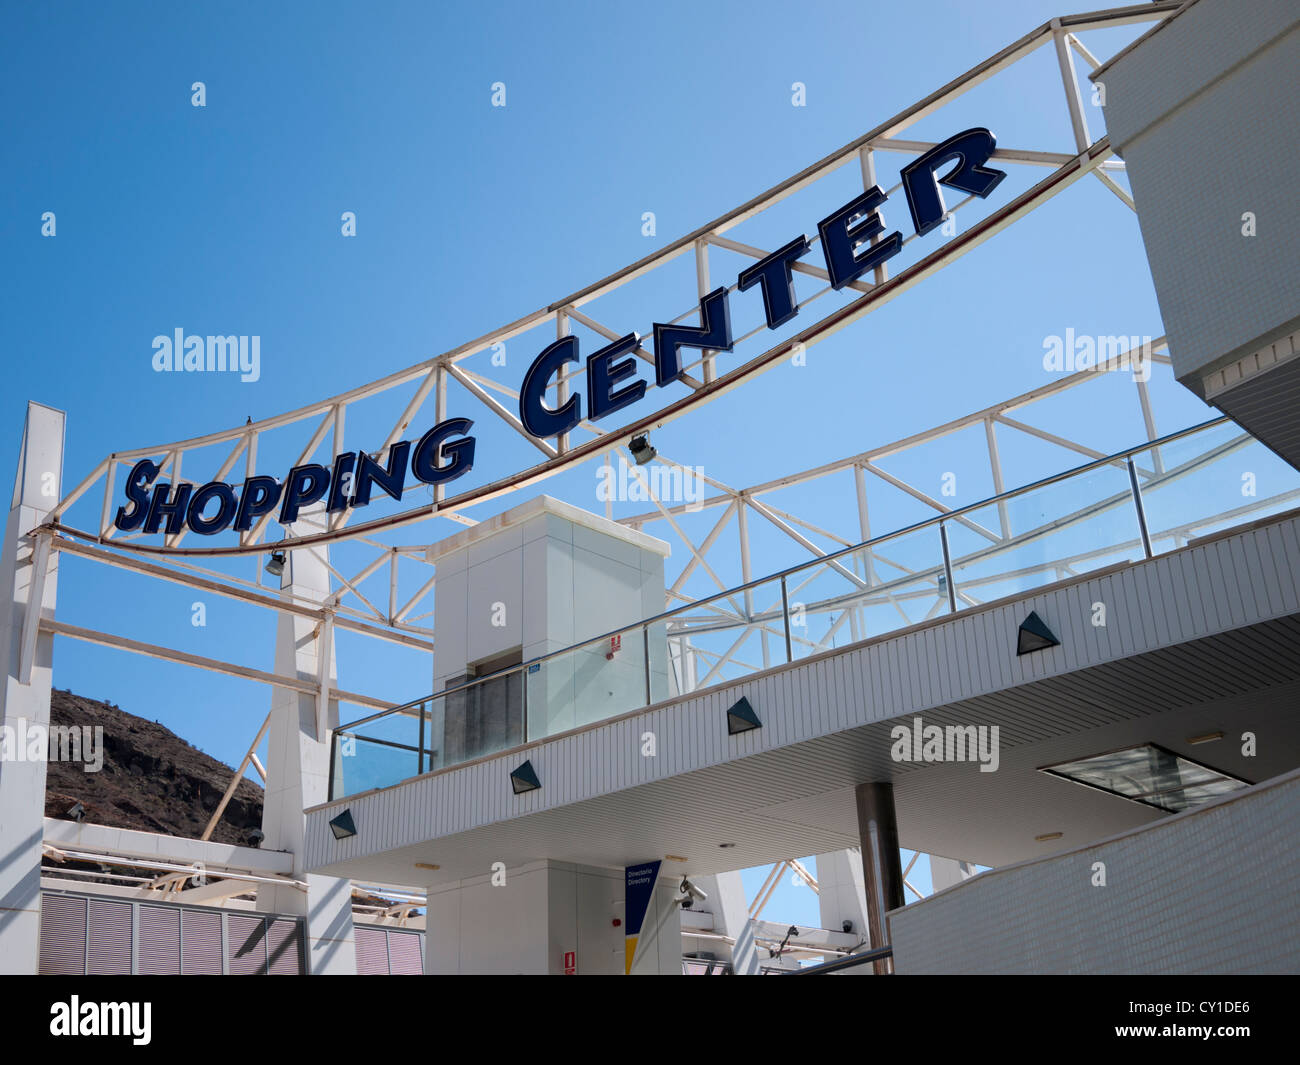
(659,947)
(731,918)
(945,872)
(841,894)
(298,766)
(25,695)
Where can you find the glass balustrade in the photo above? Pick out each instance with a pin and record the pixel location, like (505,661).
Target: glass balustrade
(1186,486)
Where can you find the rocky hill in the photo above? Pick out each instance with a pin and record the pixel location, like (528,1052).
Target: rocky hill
(151,778)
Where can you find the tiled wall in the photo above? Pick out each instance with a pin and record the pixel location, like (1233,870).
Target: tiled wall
(1206,116)
(1208,891)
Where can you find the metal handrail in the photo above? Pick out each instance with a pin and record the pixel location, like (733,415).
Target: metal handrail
(1098,506)
(848,962)
(1120,458)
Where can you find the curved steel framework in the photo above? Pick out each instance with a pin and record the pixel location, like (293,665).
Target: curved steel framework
(429,381)
(395,610)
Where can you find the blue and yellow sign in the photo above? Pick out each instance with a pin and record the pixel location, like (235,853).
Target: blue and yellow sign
(639,888)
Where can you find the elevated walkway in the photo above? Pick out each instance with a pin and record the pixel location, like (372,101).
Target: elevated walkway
(1189,640)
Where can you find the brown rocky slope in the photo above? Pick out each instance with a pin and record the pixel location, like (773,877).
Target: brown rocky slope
(151,778)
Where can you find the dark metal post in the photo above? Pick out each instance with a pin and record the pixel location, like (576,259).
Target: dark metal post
(947,569)
(524,674)
(334,756)
(1137,503)
(419,762)
(645,644)
(882,869)
(785,613)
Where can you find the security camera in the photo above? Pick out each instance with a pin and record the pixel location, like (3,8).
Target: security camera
(692,893)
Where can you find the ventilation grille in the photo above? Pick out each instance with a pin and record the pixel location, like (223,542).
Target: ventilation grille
(95,936)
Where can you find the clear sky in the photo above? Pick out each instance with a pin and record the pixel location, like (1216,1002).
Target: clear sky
(226,219)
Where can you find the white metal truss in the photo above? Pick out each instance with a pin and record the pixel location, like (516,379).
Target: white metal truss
(427,383)
(383,589)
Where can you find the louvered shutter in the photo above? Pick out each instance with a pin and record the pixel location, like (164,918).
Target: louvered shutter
(246,945)
(372,951)
(159,951)
(108,938)
(406,953)
(63,936)
(284,947)
(200,943)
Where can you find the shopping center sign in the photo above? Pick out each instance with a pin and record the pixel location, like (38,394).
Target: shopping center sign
(853,243)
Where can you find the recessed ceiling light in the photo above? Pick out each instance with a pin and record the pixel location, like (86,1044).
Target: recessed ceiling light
(675,858)
(1048,836)
(725,846)
(1208,737)
(1151,775)
(427,865)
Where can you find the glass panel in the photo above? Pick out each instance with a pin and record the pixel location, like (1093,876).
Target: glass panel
(1213,479)
(379,753)
(594,681)
(1085,522)
(868,592)
(724,638)
(1209,481)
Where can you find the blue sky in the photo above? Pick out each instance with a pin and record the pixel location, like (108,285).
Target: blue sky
(226,219)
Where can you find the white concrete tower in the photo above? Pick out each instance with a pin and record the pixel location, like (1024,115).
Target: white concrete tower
(28,577)
(841,897)
(298,762)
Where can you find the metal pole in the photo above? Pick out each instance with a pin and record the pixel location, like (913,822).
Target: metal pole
(882,871)
(785,613)
(995,465)
(645,643)
(334,754)
(1137,504)
(947,568)
(419,758)
(702,284)
(239,775)
(523,696)
(561,381)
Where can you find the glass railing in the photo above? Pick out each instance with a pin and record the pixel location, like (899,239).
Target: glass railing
(1126,507)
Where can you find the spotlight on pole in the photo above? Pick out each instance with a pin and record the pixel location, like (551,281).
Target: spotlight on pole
(641,450)
(275,564)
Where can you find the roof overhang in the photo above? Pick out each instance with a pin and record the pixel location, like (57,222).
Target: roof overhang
(1199,640)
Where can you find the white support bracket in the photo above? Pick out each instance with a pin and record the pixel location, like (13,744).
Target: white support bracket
(324,642)
(32,613)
